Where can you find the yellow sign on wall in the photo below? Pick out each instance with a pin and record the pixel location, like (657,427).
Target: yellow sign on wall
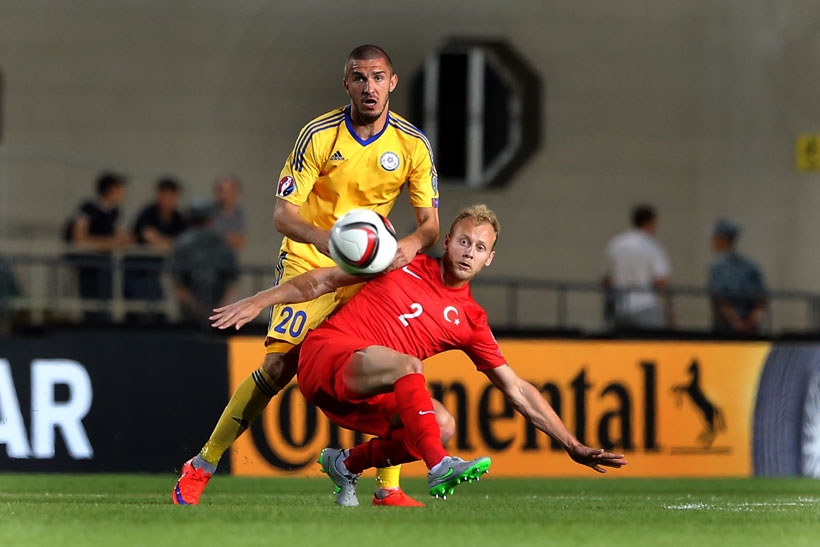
(807,152)
(674,408)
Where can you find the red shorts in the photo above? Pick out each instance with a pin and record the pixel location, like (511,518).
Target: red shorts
(325,353)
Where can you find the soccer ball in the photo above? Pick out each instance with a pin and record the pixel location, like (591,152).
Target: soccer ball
(362,242)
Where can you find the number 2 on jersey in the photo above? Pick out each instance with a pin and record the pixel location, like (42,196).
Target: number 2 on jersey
(417,310)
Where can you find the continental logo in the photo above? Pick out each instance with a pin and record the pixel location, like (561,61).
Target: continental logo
(674,408)
(482,417)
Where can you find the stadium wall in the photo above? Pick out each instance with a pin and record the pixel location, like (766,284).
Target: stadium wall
(97,401)
(693,105)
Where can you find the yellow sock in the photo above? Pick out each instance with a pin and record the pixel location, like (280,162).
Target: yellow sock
(246,404)
(388,477)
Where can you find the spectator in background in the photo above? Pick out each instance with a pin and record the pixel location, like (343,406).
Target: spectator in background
(204,266)
(229,217)
(160,222)
(93,229)
(9,290)
(8,282)
(736,284)
(637,269)
(156,228)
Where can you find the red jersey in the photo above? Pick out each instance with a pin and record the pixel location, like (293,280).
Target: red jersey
(411,311)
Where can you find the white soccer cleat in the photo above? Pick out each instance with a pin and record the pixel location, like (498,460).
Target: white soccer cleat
(453,471)
(332,462)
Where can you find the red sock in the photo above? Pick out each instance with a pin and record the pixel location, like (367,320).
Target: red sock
(380,452)
(415,407)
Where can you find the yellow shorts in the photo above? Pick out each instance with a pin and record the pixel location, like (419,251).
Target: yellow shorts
(289,323)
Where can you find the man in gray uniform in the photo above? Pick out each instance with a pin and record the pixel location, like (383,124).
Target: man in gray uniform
(736,284)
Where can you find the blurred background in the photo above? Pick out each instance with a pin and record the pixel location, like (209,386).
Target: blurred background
(704,109)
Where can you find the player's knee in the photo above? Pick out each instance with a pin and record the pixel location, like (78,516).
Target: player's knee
(447,425)
(412,365)
(281,367)
(446,422)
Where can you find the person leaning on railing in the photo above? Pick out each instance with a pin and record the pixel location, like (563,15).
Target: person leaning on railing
(736,284)
(92,231)
(156,227)
(636,276)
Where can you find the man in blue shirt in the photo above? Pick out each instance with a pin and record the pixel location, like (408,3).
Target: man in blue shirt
(157,226)
(736,284)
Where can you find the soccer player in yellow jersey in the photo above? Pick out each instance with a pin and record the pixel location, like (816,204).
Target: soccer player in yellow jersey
(358,156)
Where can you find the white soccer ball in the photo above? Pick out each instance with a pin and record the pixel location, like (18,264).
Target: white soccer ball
(362,242)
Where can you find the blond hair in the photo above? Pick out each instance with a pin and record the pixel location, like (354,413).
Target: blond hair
(479,213)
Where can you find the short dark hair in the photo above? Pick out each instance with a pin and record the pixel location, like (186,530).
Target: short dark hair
(168,184)
(199,212)
(642,214)
(107,181)
(368,52)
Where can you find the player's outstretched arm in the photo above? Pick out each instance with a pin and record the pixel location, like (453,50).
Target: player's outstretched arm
(526,399)
(301,288)
(423,238)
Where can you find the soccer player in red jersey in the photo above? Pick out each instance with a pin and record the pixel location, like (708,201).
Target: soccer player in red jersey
(363,366)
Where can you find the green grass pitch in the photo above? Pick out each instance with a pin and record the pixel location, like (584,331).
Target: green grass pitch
(106,510)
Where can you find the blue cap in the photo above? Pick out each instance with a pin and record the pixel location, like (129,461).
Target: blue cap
(726,228)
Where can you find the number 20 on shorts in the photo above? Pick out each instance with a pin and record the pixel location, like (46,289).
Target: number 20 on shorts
(291,323)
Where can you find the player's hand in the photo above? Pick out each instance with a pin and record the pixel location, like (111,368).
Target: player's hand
(406,252)
(596,458)
(236,314)
(323,245)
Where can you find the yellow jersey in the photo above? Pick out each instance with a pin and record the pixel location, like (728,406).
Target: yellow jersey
(331,171)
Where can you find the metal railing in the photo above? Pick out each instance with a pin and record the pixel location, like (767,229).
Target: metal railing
(532,304)
(43,289)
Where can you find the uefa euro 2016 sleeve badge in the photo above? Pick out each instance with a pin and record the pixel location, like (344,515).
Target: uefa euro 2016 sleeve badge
(286,186)
(389,161)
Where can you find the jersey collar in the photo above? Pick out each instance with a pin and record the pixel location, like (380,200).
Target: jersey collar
(349,124)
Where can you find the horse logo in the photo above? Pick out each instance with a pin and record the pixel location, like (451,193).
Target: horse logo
(710,412)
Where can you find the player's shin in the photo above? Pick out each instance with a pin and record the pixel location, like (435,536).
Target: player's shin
(415,408)
(380,453)
(388,476)
(246,404)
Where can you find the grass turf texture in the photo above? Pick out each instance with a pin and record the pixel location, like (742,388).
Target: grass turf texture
(136,510)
